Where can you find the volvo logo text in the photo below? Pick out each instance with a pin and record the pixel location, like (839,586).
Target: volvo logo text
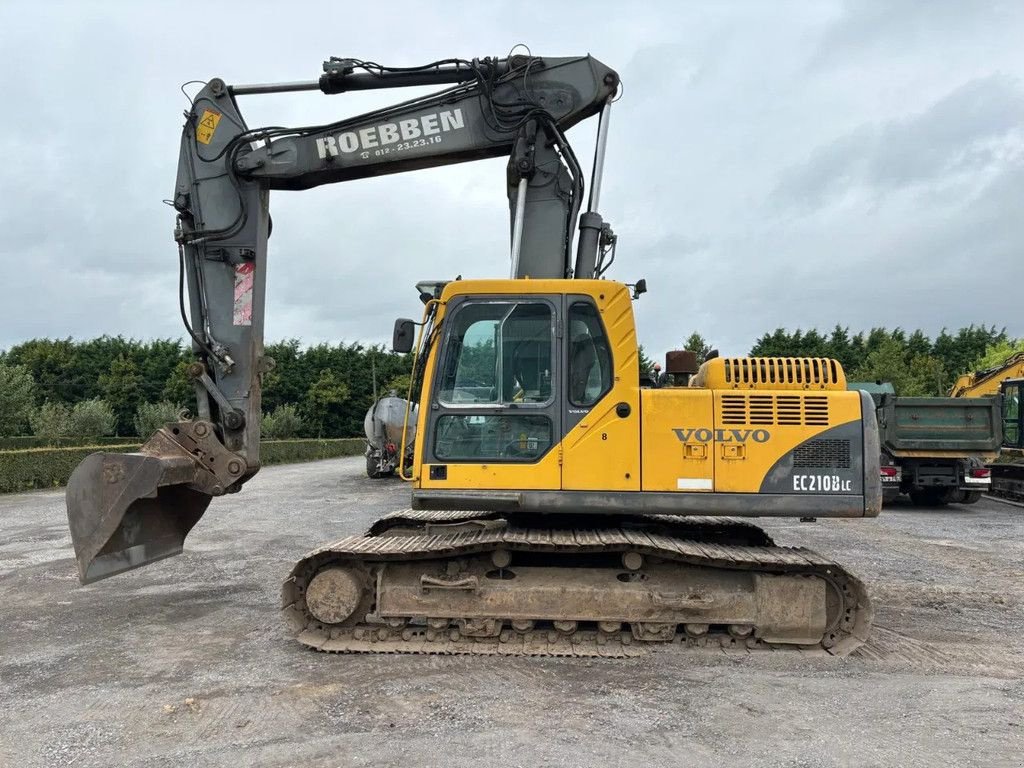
(704,435)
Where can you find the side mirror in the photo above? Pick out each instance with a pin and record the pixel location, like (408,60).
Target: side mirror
(639,289)
(402,338)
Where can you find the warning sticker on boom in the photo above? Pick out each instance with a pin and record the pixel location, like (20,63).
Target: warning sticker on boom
(207,126)
(245,275)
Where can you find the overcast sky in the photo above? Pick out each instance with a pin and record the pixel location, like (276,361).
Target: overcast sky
(769,164)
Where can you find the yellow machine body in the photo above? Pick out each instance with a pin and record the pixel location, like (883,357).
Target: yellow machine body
(749,436)
(988,382)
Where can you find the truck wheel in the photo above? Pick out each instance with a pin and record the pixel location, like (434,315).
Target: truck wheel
(971,497)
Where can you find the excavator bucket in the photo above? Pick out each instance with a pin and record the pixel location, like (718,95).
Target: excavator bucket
(126,510)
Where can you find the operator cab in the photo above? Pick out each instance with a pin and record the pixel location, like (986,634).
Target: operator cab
(497,381)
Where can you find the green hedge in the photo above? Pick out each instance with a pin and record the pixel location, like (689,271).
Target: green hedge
(292,451)
(24,470)
(46,467)
(31,441)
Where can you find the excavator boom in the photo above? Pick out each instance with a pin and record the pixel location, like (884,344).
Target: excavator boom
(126,510)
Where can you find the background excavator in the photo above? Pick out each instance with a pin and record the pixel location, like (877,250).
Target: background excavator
(1007,381)
(602,512)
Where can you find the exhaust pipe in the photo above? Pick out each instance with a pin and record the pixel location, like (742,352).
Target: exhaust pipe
(126,510)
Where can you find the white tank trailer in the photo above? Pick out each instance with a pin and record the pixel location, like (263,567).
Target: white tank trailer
(383,428)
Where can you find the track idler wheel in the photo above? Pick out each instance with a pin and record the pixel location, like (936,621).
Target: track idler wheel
(333,595)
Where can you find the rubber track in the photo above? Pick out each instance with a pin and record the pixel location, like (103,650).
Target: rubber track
(366,550)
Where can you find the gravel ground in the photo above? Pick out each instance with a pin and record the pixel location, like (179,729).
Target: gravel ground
(187,662)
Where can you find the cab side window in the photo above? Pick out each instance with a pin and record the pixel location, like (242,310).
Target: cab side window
(590,357)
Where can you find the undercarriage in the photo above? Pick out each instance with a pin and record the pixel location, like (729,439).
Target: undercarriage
(476,583)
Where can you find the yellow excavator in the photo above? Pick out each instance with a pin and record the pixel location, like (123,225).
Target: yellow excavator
(557,506)
(1007,382)
(988,381)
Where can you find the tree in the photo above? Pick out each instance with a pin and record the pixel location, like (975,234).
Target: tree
(121,387)
(91,418)
(921,376)
(157,362)
(282,424)
(927,378)
(775,344)
(17,398)
(959,353)
(858,351)
(55,367)
(814,344)
(646,363)
(323,398)
(400,386)
(998,353)
(695,343)
(51,421)
(177,387)
(149,417)
(840,347)
(919,344)
(886,363)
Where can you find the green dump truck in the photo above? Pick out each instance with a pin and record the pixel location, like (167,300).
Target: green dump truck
(934,449)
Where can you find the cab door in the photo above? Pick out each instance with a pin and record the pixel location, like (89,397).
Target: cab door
(495,411)
(600,448)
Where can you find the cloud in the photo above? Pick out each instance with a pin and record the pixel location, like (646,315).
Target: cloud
(966,132)
(871,28)
(767,164)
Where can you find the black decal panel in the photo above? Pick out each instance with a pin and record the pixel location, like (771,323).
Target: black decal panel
(830,462)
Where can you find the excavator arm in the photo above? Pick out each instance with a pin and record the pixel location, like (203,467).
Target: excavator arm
(128,510)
